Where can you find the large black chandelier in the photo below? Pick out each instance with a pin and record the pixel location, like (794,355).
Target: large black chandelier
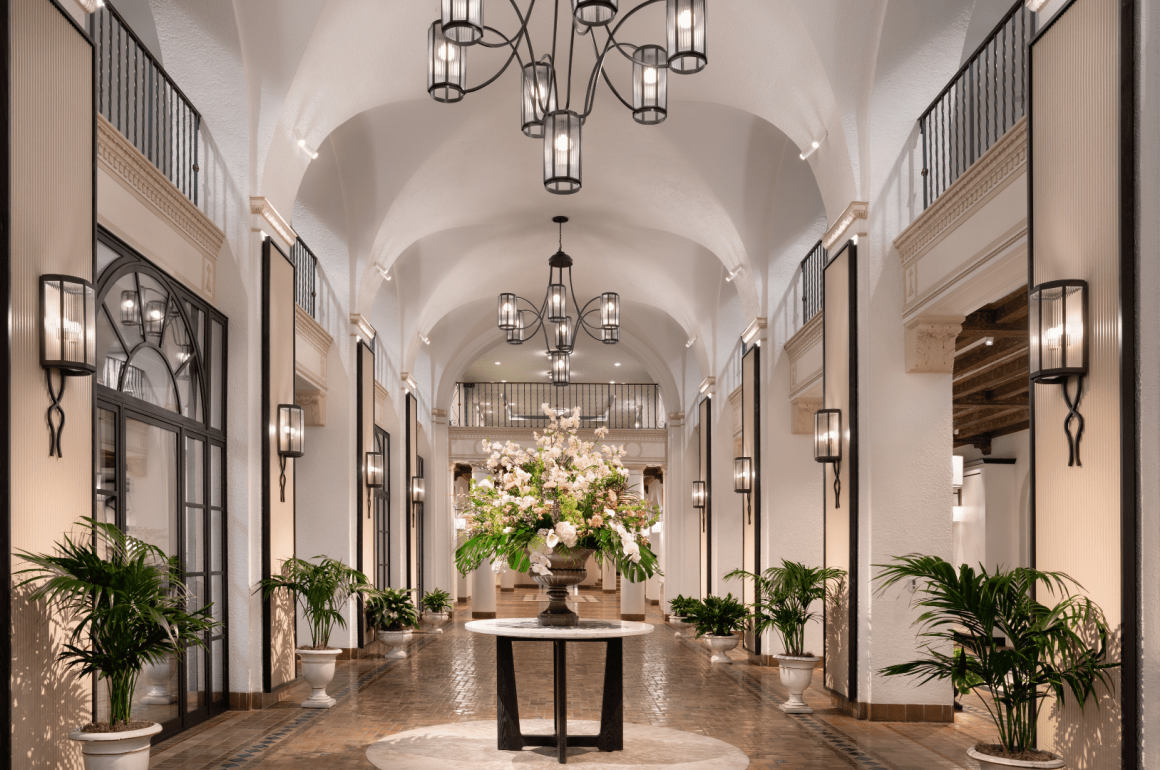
(542,91)
(522,323)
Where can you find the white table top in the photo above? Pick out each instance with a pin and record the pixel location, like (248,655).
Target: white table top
(529,628)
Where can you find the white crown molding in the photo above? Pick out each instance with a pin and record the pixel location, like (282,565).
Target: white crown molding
(708,386)
(855,211)
(361,326)
(263,208)
(755,331)
(120,159)
(380,405)
(805,337)
(1004,160)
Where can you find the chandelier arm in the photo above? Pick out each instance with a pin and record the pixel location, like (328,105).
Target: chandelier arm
(590,99)
(514,55)
(571,52)
(555,34)
(590,334)
(628,15)
(588,313)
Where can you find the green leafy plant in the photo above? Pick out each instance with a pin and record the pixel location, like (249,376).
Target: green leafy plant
(785,595)
(718,615)
(437,601)
(681,606)
(322,590)
(128,604)
(1050,650)
(391,609)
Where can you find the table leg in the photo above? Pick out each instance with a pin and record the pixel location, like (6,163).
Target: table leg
(561,658)
(612,712)
(507,709)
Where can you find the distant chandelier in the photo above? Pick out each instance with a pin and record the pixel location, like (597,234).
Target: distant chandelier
(600,323)
(461,25)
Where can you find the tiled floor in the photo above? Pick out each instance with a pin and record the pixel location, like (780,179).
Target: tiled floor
(669,682)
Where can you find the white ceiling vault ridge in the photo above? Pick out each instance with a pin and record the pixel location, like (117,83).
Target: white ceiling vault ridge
(448,199)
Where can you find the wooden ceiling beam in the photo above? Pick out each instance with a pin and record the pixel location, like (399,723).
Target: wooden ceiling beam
(994,362)
(982,399)
(976,356)
(992,379)
(991,422)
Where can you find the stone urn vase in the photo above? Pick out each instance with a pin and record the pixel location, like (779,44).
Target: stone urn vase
(989,762)
(396,642)
(680,626)
(127,750)
(433,621)
(721,645)
(796,674)
(567,570)
(318,670)
(156,677)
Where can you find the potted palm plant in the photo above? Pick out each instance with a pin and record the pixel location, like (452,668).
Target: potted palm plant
(393,614)
(127,602)
(436,610)
(322,591)
(1048,650)
(716,618)
(679,609)
(785,595)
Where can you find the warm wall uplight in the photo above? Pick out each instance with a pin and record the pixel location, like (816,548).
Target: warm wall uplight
(743,475)
(814,145)
(828,445)
(418,489)
(699,494)
(291,438)
(1057,320)
(68,340)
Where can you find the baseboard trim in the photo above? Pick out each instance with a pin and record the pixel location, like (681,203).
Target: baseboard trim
(894,712)
(632,616)
(476,615)
(256,701)
(507,590)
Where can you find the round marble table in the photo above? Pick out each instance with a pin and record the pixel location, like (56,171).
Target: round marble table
(508,630)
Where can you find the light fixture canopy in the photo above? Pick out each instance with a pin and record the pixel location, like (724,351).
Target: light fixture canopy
(828,435)
(650,85)
(537,97)
(562,171)
(743,475)
(594,13)
(1057,315)
(446,68)
(699,494)
(561,367)
(462,21)
(686,28)
(374,470)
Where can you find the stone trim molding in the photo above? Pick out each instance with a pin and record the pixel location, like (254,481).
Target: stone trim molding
(362,326)
(913,302)
(930,344)
(263,208)
(998,165)
(439,416)
(313,403)
(676,420)
(312,333)
(120,159)
(380,405)
(755,332)
(805,339)
(802,411)
(855,211)
(708,386)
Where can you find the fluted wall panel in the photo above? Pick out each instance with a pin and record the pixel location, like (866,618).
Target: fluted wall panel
(51,167)
(1075,235)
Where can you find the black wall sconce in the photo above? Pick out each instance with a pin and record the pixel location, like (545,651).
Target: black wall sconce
(743,482)
(155,312)
(828,445)
(68,341)
(291,435)
(699,496)
(130,309)
(1057,315)
(373,473)
(418,495)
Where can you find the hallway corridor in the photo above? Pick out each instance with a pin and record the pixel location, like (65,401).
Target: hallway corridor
(669,682)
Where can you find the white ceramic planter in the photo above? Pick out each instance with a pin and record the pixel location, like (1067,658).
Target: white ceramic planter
(396,641)
(796,675)
(318,670)
(433,620)
(156,677)
(127,750)
(682,628)
(988,762)
(721,645)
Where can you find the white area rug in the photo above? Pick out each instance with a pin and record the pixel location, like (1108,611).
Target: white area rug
(472,745)
(570,599)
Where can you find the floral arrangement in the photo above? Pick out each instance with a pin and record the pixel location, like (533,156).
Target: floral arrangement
(563,496)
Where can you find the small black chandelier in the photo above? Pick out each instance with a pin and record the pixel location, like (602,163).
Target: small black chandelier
(601,323)
(545,101)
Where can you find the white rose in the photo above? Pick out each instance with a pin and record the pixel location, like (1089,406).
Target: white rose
(567,533)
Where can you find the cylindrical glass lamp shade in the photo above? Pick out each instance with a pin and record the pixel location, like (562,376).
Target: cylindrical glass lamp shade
(130,309)
(828,435)
(561,367)
(557,302)
(609,310)
(68,309)
(374,470)
(515,336)
(155,317)
(650,85)
(537,98)
(446,68)
(594,13)
(610,336)
(564,335)
(743,474)
(418,489)
(686,26)
(463,21)
(509,316)
(562,174)
(291,430)
(699,494)
(1057,314)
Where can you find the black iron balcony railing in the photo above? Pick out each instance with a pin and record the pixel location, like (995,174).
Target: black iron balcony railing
(305,274)
(137,96)
(520,405)
(984,99)
(812,267)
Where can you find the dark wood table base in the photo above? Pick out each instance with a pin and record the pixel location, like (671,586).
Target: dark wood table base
(611,737)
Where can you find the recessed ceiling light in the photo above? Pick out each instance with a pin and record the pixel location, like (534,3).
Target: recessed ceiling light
(497,363)
(617,364)
(612,382)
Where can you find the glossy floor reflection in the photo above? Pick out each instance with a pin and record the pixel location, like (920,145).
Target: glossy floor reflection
(669,682)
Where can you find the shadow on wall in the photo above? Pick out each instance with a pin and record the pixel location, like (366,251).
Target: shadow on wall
(48,701)
(1091,737)
(838,640)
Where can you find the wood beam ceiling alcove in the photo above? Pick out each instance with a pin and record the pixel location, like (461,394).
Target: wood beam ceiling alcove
(991,381)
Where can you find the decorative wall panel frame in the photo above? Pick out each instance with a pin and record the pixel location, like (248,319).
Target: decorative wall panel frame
(705,444)
(364,442)
(751,447)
